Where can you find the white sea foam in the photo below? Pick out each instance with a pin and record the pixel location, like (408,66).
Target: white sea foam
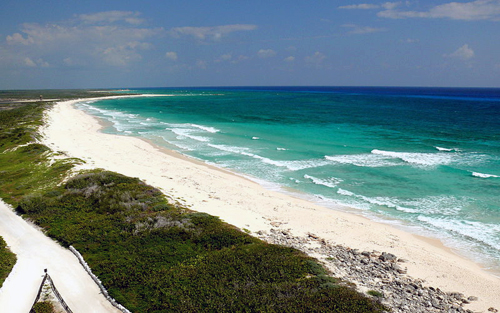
(441,205)
(255,138)
(362,160)
(182,132)
(281,149)
(481,175)
(290,165)
(231,149)
(387,202)
(343,192)
(484,233)
(447,149)
(419,159)
(206,128)
(330,182)
(305,164)
(381,201)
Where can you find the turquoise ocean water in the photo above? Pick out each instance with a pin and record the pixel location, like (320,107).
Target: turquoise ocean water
(425,159)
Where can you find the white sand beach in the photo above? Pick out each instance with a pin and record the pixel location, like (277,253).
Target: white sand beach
(246,204)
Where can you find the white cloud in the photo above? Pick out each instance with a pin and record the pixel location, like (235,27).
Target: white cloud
(171,55)
(29,62)
(116,45)
(201,64)
(359,30)
(38,63)
(240,58)
(48,35)
(266,53)
(224,57)
(363,6)
(390,5)
(316,59)
(463,53)
(369,6)
(42,63)
(17,38)
(69,61)
(475,10)
(289,59)
(411,40)
(119,56)
(111,17)
(215,32)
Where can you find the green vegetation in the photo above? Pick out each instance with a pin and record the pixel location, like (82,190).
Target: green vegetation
(375,293)
(43,307)
(152,254)
(155,256)
(24,165)
(7,261)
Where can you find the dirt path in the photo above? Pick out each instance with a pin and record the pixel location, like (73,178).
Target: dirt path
(36,252)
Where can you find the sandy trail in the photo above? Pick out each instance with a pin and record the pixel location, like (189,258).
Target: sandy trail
(36,252)
(246,204)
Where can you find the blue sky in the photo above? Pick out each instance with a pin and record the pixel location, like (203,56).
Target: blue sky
(153,43)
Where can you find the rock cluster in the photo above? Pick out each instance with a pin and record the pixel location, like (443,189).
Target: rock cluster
(378,274)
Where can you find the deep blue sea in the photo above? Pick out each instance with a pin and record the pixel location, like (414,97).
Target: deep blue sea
(425,159)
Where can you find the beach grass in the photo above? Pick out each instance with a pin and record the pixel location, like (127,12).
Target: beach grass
(152,254)
(7,261)
(25,165)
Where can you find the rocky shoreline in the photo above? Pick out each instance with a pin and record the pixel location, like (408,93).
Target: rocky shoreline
(379,274)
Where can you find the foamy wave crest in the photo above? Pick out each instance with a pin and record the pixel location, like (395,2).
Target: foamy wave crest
(206,128)
(380,201)
(477,231)
(290,165)
(442,205)
(362,160)
(187,134)
(114,115)
(446,149)
(281,149)
(344,192)
(420,159)
(231,149)
(331,182)
(481,175)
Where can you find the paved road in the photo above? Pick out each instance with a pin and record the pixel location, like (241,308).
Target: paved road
(36,252)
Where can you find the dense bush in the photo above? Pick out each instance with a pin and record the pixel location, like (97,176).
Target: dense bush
(7,261)
(43,307)
(155,256)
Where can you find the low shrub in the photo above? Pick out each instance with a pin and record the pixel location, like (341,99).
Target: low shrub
(154,256)
(7,261)
(43,307)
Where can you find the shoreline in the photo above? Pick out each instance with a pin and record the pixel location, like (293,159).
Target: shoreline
(246,204)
